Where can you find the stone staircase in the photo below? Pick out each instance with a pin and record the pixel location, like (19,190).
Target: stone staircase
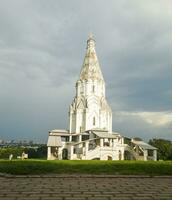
(92,154)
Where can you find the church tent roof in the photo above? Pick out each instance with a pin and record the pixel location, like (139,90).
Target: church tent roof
(144,145)
(59,132)
(91,68)
(54,141)
(104,134)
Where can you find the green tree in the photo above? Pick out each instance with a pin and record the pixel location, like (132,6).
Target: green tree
(6,151)
(42,151)
(33,152)
(164,148)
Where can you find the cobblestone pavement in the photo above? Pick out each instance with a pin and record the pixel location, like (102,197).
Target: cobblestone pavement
(82,188)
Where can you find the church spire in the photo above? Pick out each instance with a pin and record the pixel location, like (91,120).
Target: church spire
(89,109)
(90,68)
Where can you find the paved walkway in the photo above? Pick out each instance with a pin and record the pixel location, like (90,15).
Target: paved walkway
(85,188)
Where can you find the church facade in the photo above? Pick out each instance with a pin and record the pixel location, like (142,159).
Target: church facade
(90,134)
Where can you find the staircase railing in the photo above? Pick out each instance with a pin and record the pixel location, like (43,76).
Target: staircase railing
(95,153)
(131,150)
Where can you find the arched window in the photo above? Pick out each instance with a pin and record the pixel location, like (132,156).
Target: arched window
(94,121)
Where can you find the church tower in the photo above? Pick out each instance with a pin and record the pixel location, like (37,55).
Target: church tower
(89,109)
(90,133)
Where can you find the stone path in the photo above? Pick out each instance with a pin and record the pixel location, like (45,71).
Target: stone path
(85,188)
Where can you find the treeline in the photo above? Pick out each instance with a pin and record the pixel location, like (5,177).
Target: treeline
(164,148)
(33,152)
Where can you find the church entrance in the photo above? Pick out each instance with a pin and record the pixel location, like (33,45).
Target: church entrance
(65,154)
(54,151)
(127,155)
(109,157)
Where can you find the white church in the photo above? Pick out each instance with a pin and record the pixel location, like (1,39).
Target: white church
(90,135)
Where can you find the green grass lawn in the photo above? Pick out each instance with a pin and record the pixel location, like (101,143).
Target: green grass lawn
(86,167)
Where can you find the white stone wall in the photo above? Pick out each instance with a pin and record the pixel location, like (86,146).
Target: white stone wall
(89,87)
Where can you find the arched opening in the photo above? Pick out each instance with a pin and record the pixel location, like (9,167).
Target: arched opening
(109,157)
(128,156)
(54,151)
(96,158)
(64,154)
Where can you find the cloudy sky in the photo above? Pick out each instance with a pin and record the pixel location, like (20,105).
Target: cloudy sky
(42,46)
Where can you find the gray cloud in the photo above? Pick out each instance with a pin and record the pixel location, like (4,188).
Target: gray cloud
(42,45)
(135,126)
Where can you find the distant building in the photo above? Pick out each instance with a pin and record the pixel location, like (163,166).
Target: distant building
(90,134)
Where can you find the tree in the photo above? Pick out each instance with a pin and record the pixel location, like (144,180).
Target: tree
(164,148)
(42,151)
(6,151)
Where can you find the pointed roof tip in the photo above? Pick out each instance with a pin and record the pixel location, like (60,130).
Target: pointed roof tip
(90,36)
(90,41)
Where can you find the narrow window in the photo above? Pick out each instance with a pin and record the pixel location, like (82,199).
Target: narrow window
(94,121)
(93,88)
